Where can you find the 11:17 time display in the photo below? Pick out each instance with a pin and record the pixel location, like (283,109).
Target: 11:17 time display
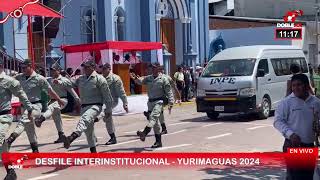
(288,34)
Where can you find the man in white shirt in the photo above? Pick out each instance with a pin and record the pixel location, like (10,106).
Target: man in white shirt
(294,119)
(179,79)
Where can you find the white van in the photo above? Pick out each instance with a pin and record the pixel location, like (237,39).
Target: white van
(247,79)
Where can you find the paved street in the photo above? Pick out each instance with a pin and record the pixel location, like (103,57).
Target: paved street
(189,131)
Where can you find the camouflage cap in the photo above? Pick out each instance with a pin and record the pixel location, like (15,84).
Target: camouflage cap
(26,62)
(155,65)
(89,63)
(106,66)
(56,67)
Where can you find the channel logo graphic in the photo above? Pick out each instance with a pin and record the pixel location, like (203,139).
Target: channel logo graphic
(18,12)
(290,19)
(18,164)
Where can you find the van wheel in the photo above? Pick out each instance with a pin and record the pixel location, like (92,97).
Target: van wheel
(213,115)
(265,109)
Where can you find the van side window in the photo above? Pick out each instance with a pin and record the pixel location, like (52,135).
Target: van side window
(263,64)
(281,66)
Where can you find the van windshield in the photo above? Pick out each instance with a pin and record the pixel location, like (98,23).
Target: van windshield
(236,67)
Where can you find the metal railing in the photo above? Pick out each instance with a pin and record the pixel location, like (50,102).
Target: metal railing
(11,65)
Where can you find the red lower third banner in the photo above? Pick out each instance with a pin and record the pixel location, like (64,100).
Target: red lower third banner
(297,157)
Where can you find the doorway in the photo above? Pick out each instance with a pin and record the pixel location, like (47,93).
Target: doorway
(167,35)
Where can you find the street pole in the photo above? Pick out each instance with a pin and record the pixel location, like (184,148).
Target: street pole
(316,63)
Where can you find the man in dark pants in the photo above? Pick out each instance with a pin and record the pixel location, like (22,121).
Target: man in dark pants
(187,82)
(294,118)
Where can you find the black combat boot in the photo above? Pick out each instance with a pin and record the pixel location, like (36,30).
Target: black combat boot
(60,138)
(113,139)
(68,140)
(164,129)
(158,142)
(39,121)
(144,133)
(93,150)
(34,147)
(8,142)
(146,114)
(11,175)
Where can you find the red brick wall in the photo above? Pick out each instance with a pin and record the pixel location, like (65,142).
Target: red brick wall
(215,24)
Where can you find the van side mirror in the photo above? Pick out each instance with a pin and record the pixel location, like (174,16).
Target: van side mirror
(260,73)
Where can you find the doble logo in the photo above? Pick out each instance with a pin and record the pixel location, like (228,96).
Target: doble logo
(292,15)
(17,13)
(19,163)
(290,19)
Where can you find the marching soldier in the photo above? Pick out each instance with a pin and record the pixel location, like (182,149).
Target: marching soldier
(117,91)
(32,83)
(177,97)
(160,94)
(62,86)
(8,87)
(94,92)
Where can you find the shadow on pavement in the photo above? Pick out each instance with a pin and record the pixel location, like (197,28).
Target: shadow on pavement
(134,135)
(80,147)
(225,118)
(27,147)
(245,173)
(135,150)
(57,169)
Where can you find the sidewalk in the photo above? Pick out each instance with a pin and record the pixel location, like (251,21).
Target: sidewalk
(137,104)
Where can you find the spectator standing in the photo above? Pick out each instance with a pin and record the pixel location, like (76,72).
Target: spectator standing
(294,119)
(187,82)
(316,78)
(70,72)
(295,69)
(179,78)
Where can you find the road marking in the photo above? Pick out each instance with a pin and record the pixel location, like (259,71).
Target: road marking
(209,125)
(130,132)
(219,136)
(43,177)
(85,140)
(256,127)
(126,142)
(176,124)
(172,147)
(257,124)
(177,132)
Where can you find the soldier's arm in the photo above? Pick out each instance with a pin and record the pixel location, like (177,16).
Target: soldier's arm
(74,94)
(174,86)
(67,83)
(44,84)
(105,91)
(102,114)
(17,91)
(168,91)
(176,91)
(122,92)
(142,80)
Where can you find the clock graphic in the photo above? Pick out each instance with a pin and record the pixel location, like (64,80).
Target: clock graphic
(287,34)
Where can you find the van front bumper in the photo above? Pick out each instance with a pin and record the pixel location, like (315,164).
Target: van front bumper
(230,105)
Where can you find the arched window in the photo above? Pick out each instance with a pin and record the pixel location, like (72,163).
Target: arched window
(120,24)
(88,26)
(165,9)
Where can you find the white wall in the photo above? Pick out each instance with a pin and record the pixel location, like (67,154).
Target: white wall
(272,8)
(248,36)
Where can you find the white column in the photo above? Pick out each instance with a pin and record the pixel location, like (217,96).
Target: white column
(115,21)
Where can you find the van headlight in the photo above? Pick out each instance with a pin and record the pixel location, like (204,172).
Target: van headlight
(201,92)
(248,92)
